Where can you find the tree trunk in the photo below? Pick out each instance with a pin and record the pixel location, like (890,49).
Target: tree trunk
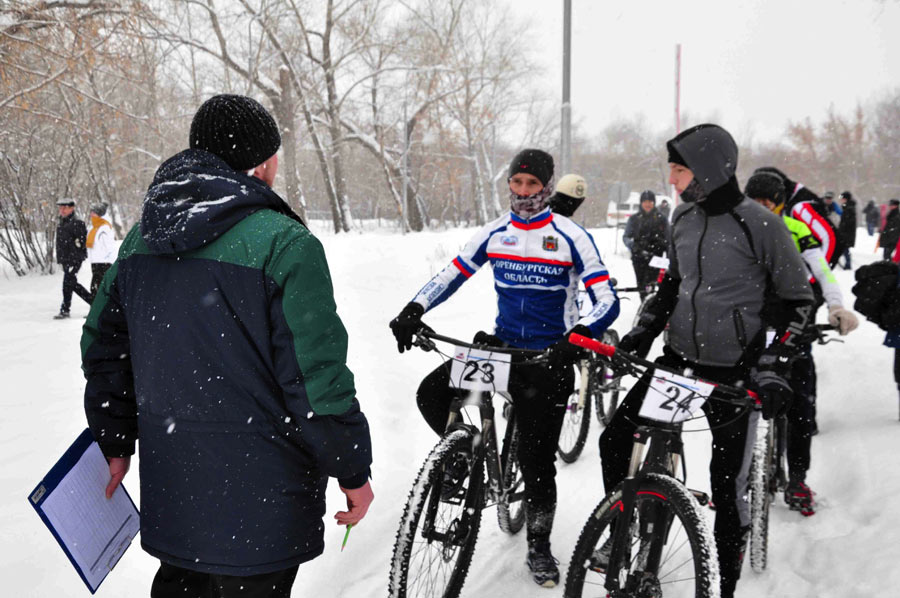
(285,109)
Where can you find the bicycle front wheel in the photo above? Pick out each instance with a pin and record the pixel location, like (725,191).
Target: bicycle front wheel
(606,394)
(511,504)
(675,559)
(761,495)
(439,525)
(577,420)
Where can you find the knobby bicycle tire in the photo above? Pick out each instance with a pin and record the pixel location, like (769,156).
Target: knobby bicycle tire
(606,401)
(577,420)
(434,563)
(511,505)
(693,541)
(761,495)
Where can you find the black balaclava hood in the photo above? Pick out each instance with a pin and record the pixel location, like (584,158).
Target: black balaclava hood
(565,205)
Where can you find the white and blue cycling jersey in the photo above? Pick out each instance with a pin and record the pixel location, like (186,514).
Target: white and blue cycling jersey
(537,265)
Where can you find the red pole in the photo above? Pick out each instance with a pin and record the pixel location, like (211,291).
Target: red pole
(677,104)
(677,89)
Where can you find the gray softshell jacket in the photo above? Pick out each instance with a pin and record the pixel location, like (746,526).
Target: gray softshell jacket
(726,252)
(725,263)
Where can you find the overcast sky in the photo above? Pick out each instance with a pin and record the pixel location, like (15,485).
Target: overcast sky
(754,64)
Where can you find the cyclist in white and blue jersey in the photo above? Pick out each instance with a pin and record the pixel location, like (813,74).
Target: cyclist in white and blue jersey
(537,258)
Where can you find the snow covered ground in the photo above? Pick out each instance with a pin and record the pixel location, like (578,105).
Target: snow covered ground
(850,547)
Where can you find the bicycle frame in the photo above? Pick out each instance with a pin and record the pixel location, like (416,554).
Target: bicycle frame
(488,445)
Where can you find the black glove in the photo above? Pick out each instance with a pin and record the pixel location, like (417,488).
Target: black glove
(774,393)
(638,341)
(564,354)
(488,340)
(770,377)
(405,325)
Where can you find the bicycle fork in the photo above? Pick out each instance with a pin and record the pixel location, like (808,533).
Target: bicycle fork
(653,520)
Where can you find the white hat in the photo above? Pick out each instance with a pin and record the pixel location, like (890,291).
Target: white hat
(65,201)
(572,185)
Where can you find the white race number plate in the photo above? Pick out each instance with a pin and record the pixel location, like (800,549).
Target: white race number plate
(474,369)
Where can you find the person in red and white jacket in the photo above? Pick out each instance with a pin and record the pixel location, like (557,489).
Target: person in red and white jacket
(538,259)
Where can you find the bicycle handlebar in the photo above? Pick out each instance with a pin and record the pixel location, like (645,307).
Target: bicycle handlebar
(612,352)
(427,335)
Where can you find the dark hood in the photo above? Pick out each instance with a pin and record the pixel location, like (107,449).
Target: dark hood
(195,197)
(710,152)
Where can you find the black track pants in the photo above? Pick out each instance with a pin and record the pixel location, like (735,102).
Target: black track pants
(70,284)
(733,431)
(539,395)
(644,274)
(174,582)
(801,416)
(98,271)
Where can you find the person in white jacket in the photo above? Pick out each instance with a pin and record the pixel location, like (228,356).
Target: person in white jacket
(101,246)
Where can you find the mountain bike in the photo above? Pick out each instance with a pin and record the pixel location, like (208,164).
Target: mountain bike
(768,468)
(650,533)
(465,472)
(595,385)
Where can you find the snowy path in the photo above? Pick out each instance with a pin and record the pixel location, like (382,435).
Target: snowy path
(851,547)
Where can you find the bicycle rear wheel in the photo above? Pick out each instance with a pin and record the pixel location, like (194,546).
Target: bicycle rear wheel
(685,549)
(437,535)
(606,400)
(511,505)
(577,421)
(761,468)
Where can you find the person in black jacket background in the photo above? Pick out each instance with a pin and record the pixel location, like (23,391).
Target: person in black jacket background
(847,227)
(872,215)
(646,235)
(71,251)
(215,340)
(890,234)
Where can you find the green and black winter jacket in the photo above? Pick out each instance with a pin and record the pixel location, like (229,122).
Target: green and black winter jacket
(215,342)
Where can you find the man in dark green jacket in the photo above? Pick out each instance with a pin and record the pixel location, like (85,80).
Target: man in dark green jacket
(215,340)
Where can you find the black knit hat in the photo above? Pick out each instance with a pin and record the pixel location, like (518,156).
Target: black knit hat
(894,202)
(648,196)
(765,185)
(237,129)
(846,195)
(533,161)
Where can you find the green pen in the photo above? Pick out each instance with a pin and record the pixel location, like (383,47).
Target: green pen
(347,535)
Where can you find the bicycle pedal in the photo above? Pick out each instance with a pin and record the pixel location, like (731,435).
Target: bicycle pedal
(702,497)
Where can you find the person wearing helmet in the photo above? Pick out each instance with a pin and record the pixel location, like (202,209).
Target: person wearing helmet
(570,193)
(766,188)
(725,251)
(804,205)
(538,258)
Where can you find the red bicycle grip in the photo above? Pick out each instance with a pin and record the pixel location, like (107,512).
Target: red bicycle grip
(594,345)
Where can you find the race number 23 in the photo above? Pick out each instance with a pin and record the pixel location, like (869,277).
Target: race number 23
(473,369)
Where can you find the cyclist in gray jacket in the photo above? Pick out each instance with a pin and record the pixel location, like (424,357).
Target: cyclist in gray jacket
(727,253)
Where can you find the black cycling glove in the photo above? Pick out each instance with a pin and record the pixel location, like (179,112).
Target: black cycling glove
(562,353)
(488,340)
(770,377)
(638,341)
(405,325)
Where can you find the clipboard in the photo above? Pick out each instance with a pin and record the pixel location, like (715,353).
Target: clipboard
(93,532)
